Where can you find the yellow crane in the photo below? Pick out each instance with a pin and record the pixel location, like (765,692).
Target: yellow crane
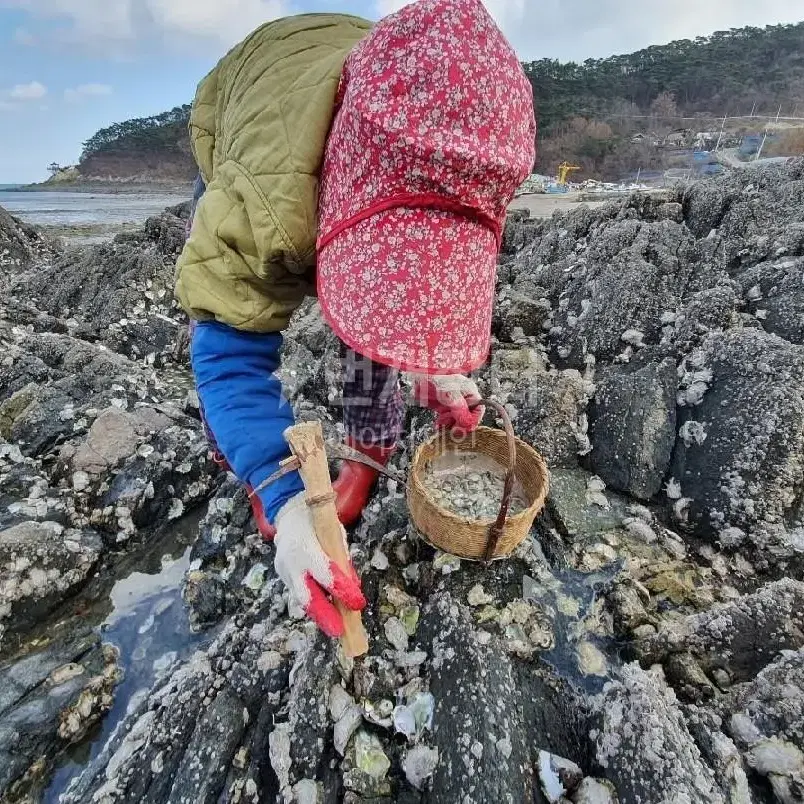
(564,171)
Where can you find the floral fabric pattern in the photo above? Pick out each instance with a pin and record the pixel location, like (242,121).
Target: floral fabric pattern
(435,131)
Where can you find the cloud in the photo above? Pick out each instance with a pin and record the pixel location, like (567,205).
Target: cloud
(505,12)
(581,29)
(22,36)
(110,24)
(27,92)
(211,19)
(564,29)
(86,91)
(5,106)
(85,20)
(595,28)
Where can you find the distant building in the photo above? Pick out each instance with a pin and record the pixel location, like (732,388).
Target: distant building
(705,140)
(677,138)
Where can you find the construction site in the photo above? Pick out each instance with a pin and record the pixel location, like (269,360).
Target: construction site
(737,143)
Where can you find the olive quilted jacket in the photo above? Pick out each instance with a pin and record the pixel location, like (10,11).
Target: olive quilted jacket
(258,128)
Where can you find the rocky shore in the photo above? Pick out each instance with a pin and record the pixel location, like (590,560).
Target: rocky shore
(646,644)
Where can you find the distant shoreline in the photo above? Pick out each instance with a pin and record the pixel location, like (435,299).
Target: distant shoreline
(108,188)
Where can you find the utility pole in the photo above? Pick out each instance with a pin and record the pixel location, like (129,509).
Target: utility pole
(778,113)
(720,138)
(759,152)
(753,108)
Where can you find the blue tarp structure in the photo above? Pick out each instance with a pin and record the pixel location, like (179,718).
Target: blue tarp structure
(750,144)
(753,142)
(700,163)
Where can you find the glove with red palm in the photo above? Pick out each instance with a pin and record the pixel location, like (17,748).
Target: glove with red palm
(454,398)
(312,578)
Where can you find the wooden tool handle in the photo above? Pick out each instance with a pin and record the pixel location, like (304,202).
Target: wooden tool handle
(307,444)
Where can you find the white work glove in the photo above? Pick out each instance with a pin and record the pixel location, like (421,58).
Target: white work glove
(309,574)
(450,396)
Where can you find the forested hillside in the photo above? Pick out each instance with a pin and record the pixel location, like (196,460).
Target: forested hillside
(141,134)
(154,148)
(610,116)
(726,73)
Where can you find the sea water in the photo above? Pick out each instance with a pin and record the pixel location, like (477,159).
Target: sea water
(86,216)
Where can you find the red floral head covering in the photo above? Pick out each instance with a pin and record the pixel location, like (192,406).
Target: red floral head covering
(434,132)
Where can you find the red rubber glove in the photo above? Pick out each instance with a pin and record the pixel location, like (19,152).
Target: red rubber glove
(450,396)
(309,574)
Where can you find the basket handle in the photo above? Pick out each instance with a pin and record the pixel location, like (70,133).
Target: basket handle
(498,527)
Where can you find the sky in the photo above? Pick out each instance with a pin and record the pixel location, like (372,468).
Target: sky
(70,67)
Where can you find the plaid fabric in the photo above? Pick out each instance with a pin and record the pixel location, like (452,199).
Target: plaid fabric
(373,407)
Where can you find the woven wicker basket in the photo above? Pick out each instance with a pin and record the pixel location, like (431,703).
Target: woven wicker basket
(477,539)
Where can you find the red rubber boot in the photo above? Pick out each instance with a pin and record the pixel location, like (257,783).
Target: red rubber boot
(356,480)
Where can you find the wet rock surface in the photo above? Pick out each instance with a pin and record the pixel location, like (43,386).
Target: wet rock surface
(643,645)
(97,454)
(743,472)
(644,743)
(119,293)
(51,699)
(20,244)
(41,563)
(633,427)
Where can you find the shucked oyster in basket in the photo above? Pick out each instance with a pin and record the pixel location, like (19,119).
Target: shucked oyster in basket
(470,485)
